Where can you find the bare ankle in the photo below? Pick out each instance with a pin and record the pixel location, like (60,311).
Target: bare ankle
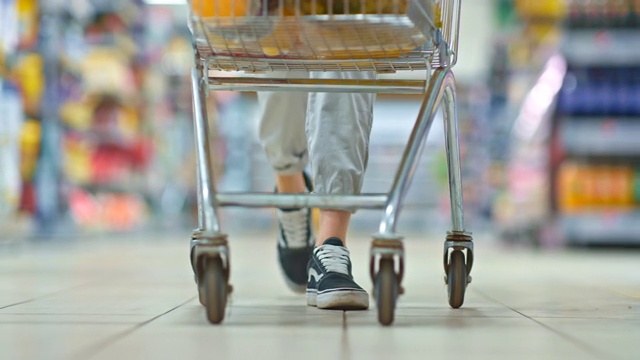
(333,223)
(293,183)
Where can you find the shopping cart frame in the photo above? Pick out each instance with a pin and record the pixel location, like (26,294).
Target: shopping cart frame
(209,245)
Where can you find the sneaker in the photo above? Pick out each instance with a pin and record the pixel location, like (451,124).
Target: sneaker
(330,284)
(295,244)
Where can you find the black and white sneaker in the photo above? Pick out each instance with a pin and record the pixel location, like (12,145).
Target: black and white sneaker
(295,244)
(330,284)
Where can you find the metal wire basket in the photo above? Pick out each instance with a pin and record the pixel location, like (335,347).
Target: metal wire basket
(324,35)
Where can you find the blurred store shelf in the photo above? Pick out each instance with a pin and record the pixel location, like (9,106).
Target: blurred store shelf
(600,137)
(601,227)
(602,47)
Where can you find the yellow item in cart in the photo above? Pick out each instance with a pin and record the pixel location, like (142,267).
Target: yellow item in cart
(233,8)
(293,31)
(339,7)
(283,38)
(220,8)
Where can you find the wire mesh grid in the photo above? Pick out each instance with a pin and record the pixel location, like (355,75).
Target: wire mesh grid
(323,35)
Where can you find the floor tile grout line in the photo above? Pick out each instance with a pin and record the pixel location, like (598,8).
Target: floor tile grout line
(18,303)
(586,347)
(67,314)
(101,345)
(43,296)
(56,323)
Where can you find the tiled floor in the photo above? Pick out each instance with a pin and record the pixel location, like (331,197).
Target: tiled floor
(134,298)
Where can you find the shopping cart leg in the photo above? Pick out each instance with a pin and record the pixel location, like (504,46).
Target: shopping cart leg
(209,248)
(387,253)
(458,242)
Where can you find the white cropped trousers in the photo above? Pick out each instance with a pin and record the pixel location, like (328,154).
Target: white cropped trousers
(330,131)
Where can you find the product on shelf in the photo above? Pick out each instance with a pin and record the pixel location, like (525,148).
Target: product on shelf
(113,211)
(603,13)
(11,122)
(585,187)
(601,91)
(541,9)
(28,21)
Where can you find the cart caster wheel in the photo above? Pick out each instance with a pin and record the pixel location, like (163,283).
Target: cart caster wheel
(201,295)
(457,279)
(214,289)
(386,291)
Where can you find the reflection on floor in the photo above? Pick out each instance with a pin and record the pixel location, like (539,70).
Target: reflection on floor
(134,298)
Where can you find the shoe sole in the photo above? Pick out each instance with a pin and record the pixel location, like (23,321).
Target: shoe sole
(347,299)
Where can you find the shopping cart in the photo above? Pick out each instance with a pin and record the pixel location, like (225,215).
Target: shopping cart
(255,38)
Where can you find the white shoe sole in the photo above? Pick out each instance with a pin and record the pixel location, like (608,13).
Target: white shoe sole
(346,299)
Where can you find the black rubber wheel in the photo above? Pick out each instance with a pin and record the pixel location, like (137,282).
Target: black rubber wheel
(215,290)
(201,295)
(457,279)
(386,288)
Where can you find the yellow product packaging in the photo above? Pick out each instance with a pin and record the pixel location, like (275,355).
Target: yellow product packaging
(77,115)
(77,161)
(106,71)
(622,187)
(570,191)
(29,72)
(29,148)
(544,9)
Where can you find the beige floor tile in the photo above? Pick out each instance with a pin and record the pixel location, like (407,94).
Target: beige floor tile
(607,338)
(53,341)
(70,319)
(134,298)
(147,299)
(272,333)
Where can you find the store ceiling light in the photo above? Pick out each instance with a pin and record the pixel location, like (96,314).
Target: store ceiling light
(165,2)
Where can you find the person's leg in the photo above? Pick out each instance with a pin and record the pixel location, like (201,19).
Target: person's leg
(333,224)
(338,128)
(291,183)
(282,134)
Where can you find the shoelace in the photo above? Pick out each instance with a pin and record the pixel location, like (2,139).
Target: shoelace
(334,258)
(294,224)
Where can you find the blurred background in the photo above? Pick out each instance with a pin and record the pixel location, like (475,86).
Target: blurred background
(96,125)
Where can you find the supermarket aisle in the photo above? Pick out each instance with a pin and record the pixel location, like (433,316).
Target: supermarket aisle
(126,299)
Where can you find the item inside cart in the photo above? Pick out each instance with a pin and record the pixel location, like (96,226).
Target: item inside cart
(318,29)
